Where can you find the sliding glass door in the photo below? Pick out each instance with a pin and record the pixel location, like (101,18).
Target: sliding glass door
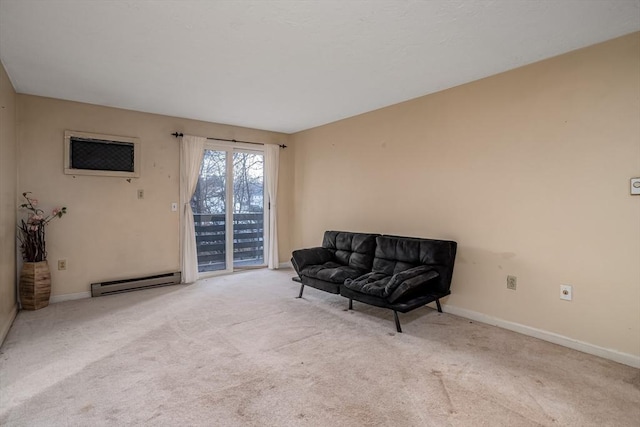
(229,210)
(209,205)
(248,209)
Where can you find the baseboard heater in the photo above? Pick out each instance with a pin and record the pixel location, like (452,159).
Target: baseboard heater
(135,284)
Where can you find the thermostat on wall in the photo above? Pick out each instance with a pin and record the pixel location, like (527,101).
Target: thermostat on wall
(635,186)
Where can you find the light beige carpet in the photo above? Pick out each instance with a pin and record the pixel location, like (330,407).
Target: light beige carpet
(241,350)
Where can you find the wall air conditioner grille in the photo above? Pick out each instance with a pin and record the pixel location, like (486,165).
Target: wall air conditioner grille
(94,154)
(101,155)
(127,285)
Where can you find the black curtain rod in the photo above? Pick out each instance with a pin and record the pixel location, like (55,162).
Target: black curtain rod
(179,134)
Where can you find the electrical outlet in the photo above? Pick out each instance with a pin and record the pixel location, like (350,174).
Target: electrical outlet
(566,292)
(512,282)
(62,264)
(140,194)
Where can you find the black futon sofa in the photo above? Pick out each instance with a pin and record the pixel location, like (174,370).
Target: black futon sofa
(398,273)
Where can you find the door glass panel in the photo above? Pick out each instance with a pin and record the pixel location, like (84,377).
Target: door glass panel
(248,209)
(209,210)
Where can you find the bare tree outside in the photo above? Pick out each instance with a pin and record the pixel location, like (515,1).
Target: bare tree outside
(210,194)
(248,182)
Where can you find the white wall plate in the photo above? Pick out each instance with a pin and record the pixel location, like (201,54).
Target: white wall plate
(635,185)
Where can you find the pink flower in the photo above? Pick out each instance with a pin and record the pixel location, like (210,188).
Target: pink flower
(55,211)
(33,228)
(34,202)
(35,218)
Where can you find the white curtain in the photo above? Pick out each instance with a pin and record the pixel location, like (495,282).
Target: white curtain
(272,156)
(191,153)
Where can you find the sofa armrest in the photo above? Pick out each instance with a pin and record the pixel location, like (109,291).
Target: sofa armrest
(408,280)
(303,258)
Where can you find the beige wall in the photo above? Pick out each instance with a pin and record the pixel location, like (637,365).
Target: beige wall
(7,203)
(109,233)
(528,170)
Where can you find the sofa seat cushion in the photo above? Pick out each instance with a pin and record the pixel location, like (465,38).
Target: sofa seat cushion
(373,284)
(331,272)
(392,288)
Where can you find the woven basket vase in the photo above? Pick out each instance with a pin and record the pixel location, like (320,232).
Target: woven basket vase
(35,285)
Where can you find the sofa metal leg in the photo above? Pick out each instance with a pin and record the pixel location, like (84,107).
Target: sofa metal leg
(439,306)
(395,316)
(350,304)
(301,289)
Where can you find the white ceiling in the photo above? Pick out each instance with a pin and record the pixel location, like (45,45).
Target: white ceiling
(284,65)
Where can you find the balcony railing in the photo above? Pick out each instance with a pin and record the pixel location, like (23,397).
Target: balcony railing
(248,240)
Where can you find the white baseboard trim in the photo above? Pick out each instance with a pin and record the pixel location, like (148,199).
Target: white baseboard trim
(69,297)
(285,265)
(9,321)
(616,356)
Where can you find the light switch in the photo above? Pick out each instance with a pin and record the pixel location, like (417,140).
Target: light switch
(174,207)
(635,186)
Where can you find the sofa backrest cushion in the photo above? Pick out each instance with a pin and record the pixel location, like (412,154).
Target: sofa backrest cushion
(353,249)
(396,254)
